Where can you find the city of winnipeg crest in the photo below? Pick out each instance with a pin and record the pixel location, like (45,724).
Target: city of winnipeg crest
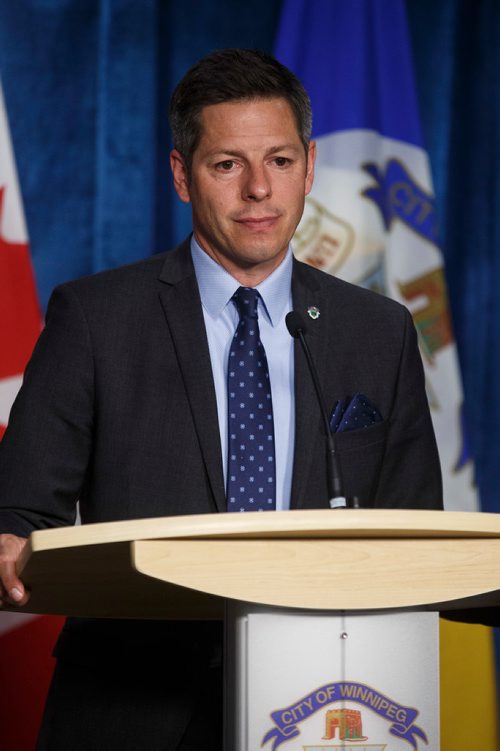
(343,725)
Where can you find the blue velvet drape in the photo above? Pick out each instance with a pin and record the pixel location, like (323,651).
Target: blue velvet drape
(87,85)
(458,74)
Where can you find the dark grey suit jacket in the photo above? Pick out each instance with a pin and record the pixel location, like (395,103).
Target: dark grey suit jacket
(118,406)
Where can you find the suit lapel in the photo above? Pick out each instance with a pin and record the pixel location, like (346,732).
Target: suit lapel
(309,431)
(182,306)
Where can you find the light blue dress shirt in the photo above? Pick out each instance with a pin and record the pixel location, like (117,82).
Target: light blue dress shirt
(217,287)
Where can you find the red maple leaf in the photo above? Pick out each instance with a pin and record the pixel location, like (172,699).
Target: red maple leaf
(20,319)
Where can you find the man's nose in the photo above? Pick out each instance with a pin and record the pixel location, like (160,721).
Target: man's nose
(257,185)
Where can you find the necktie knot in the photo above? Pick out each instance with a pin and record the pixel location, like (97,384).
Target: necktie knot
(246,299)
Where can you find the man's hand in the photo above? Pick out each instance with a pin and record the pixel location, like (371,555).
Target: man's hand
(12,591)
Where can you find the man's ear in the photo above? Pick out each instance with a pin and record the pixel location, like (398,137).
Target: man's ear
(180,175)
(311,159)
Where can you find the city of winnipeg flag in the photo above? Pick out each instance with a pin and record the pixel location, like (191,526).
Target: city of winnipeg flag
(25,641)
(371,216)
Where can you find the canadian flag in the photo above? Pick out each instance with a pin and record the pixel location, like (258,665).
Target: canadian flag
(25,641)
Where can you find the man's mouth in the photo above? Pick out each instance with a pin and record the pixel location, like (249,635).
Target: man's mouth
(258,223)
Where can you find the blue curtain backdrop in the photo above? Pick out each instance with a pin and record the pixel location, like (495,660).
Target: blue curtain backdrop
(87,84)
(457,56)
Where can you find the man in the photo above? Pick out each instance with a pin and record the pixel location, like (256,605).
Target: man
(125,404)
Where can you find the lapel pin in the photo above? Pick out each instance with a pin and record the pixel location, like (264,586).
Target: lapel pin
(313,312)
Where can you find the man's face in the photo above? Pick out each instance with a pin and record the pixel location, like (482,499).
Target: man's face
(248,183)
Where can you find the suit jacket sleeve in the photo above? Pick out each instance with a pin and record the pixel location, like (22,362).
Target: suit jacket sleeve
(46,448)
(410,475)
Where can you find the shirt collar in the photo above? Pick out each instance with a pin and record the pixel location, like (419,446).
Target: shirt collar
(217,286)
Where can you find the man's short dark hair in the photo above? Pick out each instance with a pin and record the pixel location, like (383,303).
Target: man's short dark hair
(233,75)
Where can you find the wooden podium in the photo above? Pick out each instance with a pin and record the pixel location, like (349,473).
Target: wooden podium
(331,615)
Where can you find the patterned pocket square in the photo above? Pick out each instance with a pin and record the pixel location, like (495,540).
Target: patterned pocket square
(354,414)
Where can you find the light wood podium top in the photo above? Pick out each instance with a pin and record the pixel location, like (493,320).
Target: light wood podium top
(184,566)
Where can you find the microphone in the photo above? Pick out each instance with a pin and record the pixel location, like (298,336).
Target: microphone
(337,498)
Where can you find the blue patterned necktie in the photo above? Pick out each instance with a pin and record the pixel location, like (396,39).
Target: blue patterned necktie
(251,476)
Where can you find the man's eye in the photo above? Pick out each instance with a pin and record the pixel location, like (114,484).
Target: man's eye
(226,165)
(281,161)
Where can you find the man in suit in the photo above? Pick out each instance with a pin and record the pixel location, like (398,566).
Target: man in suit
(125,404)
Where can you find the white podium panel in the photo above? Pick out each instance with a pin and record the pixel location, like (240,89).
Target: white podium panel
(302,681)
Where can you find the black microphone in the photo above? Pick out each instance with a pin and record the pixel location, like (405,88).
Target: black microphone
(297,328)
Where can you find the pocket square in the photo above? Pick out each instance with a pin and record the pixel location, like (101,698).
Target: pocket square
(354,413)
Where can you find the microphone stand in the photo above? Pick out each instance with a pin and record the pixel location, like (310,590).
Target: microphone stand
(337,497)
